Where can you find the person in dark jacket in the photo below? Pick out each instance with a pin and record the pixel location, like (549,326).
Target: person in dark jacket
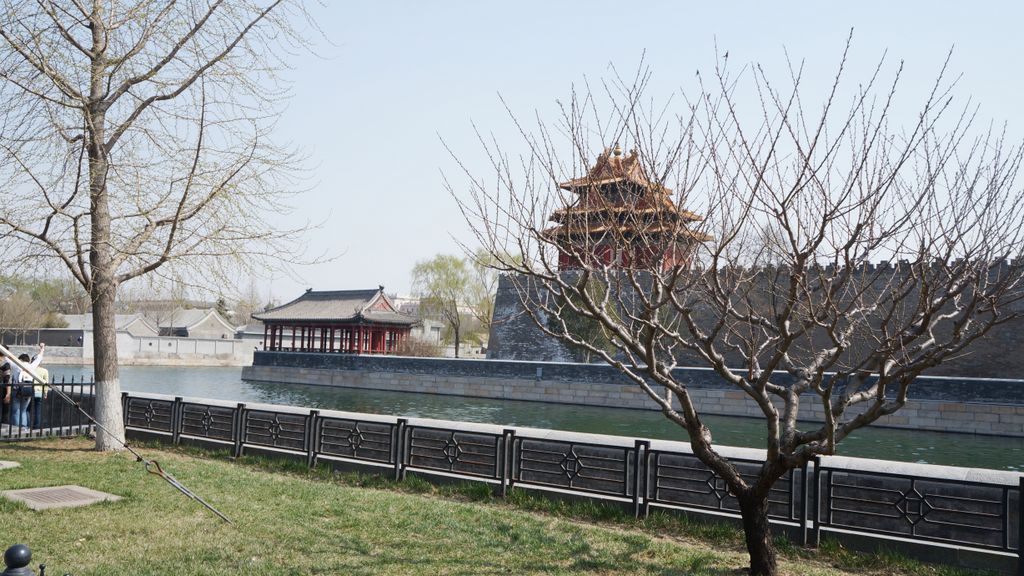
(5,390)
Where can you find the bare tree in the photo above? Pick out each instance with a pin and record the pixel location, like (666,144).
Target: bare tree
(778,287)
(19,314)
(134,138)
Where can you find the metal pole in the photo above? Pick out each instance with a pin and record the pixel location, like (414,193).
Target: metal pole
(152,466)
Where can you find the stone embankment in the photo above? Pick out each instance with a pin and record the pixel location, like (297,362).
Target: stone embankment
(979,406)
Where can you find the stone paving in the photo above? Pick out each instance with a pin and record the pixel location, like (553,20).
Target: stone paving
(58,497)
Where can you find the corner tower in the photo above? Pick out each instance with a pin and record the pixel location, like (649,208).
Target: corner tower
(620,218)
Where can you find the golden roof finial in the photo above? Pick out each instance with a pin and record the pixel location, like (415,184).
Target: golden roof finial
(618,150)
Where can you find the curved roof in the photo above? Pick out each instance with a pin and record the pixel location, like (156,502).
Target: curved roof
(338,306)
(612,167)
(616,197)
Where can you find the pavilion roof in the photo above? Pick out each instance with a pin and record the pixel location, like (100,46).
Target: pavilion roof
(343,306)
(616,197)
(612,167)
(628,230)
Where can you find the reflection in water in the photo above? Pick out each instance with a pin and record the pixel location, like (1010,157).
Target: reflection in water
(226,384)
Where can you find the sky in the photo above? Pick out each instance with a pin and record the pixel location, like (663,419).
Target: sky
(392,83)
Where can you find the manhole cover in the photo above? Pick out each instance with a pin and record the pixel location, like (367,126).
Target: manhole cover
(57,497)
(6,464)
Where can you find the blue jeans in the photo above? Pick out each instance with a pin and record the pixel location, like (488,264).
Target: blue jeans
(19,410)
(37,409)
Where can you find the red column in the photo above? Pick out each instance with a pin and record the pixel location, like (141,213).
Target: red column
(332,338)
(359,339)
(293,338)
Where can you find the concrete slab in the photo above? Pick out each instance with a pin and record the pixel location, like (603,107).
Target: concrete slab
(7,464)
(58,497)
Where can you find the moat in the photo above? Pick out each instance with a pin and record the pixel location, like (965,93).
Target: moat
(226,384)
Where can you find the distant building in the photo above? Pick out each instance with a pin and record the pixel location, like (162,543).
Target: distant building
(621,218)
(196,323)
(251,333)
(346,321)
(134,324)
(79,329)
(429,331)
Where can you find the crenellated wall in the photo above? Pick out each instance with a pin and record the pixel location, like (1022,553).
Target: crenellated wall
(515,336)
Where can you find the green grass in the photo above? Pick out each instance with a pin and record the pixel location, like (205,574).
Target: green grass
(289,520)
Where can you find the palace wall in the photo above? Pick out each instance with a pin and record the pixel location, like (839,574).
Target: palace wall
(515,336)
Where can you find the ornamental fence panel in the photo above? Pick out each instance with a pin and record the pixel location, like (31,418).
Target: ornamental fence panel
(975,514)
(816,499)
(682,480)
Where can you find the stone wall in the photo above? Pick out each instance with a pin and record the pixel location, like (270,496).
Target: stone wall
(156,351)
(941,404)
(515,336)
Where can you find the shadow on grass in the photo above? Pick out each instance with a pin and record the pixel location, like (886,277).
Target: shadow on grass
(51,445)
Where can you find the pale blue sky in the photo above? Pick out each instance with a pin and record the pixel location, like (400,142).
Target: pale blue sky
(370,112)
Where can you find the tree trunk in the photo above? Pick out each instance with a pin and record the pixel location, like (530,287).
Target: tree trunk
(456,342)
(754,510)
(108,384)
(103,285)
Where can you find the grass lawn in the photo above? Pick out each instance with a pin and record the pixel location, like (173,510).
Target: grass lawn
(316,523)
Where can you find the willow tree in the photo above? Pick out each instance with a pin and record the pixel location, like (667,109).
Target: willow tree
(134,139)
(443,286)
(841,254)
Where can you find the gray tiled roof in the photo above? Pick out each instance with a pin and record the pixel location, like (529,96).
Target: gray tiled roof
(186,318)
(335,305)
(84,321)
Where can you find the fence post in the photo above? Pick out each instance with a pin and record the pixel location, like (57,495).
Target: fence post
(508,439)
(399,451)
(124,407)
(640,448)
(803,504)
(312,437)
(16,559)
(177,416)
(817,502)
(1020,526)
(238,429)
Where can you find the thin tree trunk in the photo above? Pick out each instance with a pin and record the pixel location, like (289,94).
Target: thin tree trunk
(456,342)
(756,530)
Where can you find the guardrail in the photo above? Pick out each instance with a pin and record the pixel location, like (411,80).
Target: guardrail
(977,509)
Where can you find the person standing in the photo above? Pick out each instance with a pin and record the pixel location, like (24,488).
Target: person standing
(22,389)
(40,392)
(5,390)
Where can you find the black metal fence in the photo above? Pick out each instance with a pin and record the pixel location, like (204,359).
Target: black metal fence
(820,497)
(51,413)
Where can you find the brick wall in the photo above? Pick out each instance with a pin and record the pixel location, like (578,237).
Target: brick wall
(515,336)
